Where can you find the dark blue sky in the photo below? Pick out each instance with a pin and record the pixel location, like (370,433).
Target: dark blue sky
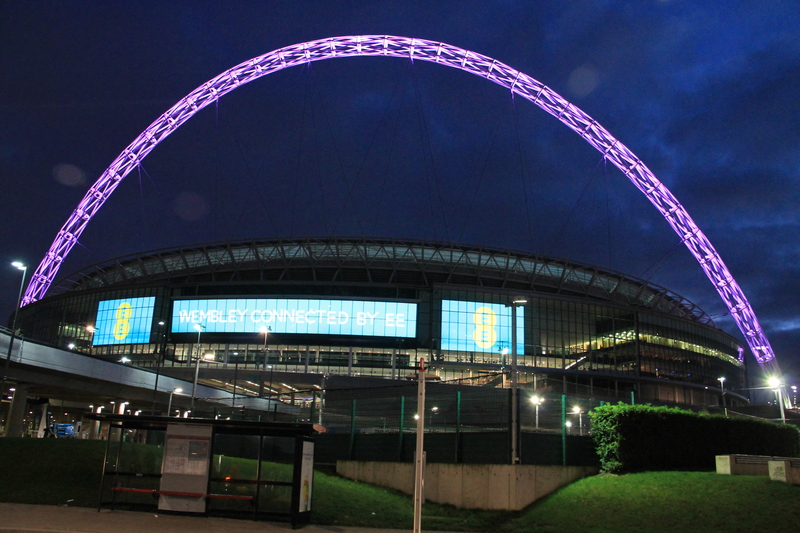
(705,93)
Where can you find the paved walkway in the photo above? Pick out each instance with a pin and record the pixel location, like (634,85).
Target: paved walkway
(51,519)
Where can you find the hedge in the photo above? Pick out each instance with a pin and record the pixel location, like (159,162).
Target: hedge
(635,438)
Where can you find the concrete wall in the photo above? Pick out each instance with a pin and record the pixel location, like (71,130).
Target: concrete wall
(786,470)
(495,487)
(746,465)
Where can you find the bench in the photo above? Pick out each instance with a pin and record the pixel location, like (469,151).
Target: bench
(748,465)
(184,494)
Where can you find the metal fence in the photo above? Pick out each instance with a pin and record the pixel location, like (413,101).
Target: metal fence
(463,424)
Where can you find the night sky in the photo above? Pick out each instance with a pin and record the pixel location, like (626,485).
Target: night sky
(705,93)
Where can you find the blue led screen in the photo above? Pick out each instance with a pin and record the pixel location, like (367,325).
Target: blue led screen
(123,321)
(480,327)
(324,317)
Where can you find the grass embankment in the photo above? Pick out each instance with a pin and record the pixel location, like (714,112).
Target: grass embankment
(55,471)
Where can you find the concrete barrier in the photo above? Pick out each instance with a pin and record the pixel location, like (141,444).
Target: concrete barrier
(786,470)
(469,486)
(746,465)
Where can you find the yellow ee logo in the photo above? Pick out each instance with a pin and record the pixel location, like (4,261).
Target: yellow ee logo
(485,334)
(123,326)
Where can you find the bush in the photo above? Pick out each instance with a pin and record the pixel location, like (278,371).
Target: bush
(635,438)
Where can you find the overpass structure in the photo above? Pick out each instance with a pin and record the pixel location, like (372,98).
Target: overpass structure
(77,384)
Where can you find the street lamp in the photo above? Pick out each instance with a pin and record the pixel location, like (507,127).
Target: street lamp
(777,385)
(265,330)
(270,384)
(199,328)
(517,301)
(577,411)
(235,377)
(169,405)
(724,403)
(537,401)
(569,425)
(20,266)
(434,410)
(159,359)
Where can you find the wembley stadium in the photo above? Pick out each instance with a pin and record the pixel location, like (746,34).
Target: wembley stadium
(300,311)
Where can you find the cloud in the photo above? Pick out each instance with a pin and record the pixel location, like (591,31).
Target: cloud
(190,206)
(69,175)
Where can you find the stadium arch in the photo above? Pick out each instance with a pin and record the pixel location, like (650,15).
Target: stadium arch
(435,52)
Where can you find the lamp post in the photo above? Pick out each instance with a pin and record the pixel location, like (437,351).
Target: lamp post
(270,384)
(20,266)
(724,403)
(91,329)
(577,411)
(434,410)
(537,401)
(518,300)
(159,360)
(776,385)
(169,405)
(235,377)
(199,328)
(265,330)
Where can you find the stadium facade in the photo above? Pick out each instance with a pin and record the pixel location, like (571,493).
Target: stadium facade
(372,308)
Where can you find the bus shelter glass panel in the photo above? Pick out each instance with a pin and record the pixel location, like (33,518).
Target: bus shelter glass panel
(277,474)
(133,466)
(234,472)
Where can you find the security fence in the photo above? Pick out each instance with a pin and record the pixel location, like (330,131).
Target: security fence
(463,424)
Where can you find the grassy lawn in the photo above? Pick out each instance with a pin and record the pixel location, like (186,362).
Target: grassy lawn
(666,501)
(53,472)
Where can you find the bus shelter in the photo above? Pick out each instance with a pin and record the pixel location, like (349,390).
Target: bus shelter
(259,470)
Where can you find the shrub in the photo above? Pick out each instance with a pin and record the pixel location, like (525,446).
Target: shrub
(634,438)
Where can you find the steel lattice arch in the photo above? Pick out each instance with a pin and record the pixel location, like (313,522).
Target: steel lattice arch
(423,50)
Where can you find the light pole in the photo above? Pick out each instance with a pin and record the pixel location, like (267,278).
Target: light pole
(777,385)
(235,377)
(20,266)
(270,384)
(91,329)
(169,405)
(265,330)
(199,328)
(577,411)
(724,403)
(159,360)
(518,300)
(537,401)
(434,410)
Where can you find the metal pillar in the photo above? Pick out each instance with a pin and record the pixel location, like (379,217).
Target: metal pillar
(419,455)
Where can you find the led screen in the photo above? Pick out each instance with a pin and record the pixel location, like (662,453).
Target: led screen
(480,327)
(324,317)
(125,321)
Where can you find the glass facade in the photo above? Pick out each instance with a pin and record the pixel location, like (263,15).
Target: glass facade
(461,325)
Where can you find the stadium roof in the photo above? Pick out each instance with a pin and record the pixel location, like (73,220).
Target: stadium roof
(378,261)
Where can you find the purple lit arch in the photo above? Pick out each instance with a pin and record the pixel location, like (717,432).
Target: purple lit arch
(414,49)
